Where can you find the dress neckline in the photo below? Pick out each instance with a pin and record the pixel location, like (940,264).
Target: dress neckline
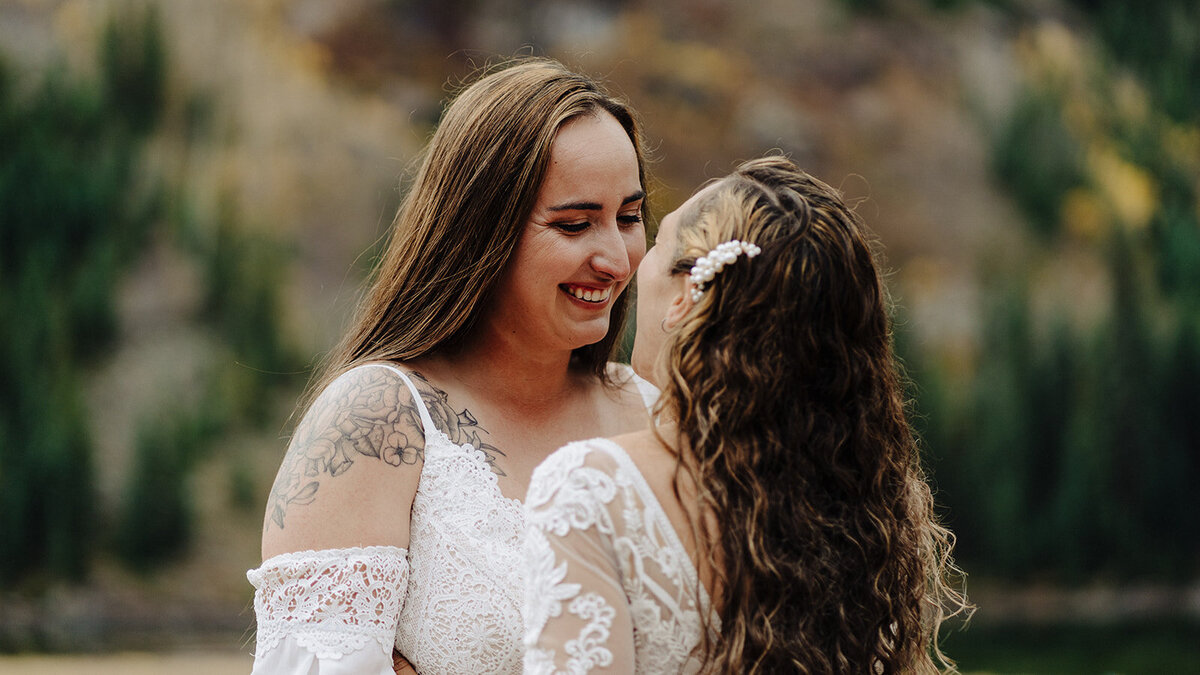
(618,452)
(475,455)
(432,429)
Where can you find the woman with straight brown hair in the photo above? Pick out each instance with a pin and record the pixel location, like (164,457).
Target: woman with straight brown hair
(482,344)
(776,520)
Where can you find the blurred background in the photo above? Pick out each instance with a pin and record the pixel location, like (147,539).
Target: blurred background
(192,191)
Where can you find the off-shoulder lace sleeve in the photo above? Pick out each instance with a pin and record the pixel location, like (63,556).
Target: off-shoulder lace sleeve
(330,611)
(577,618)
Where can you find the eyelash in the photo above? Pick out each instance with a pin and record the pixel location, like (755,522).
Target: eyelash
(573,228)
(577,228)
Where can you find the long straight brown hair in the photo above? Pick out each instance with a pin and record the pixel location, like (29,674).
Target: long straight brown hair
(457,228)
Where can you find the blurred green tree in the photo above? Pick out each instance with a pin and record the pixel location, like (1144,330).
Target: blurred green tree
(72,216)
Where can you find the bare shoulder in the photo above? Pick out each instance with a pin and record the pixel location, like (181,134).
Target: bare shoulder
(351,469)
(640,442)
(653,459)
(627,400)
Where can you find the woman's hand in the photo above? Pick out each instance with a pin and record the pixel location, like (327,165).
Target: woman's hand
(401,664)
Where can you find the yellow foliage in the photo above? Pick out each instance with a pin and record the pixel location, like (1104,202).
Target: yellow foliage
(75,25)
(1182,144)
(1130,99)
(73,20)
(697,65)
(1052,54)
(1080,117)
(1083,214)
(1131,191)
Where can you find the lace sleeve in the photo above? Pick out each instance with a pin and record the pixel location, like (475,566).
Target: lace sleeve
(329,611)
(577,619)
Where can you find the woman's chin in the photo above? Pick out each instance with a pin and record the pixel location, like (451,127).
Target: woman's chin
(587,338)
(643,366)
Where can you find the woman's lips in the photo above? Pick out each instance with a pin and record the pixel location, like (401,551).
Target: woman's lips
(589,294)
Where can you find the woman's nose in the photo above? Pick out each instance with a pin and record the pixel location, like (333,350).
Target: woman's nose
(611,257)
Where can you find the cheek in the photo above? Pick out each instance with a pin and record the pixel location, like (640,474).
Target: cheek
(645,274)
(635,247)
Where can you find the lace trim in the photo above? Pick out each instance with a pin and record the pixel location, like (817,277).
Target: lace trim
(580,494)
(577,498)
(332,601)
(588,650)
(478,459)
(545,581)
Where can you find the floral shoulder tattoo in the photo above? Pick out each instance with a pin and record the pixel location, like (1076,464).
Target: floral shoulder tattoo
(367,415)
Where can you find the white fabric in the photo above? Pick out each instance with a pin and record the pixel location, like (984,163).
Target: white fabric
(463,612)
(647,391)
(459,597)
(609,586)
(331,611)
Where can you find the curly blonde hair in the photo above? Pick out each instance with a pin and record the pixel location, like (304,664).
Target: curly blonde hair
(827,554)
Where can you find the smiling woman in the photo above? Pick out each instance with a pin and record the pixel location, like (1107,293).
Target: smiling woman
(583,239)
(482,345)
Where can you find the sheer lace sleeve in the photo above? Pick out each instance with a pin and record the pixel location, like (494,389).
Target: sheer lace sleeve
(577,618)
(329,612)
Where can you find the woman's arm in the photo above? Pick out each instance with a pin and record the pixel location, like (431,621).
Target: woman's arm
(577,615)
(352,468)
(336,530)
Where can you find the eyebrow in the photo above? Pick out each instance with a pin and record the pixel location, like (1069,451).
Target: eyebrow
(593,206)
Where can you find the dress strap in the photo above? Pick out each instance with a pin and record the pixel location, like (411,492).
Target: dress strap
(426,418)
(648,392)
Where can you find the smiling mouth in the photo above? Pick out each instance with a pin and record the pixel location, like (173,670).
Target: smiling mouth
(595,295)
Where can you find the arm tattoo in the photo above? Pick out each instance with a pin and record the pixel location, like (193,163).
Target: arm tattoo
(371,415)
(459,427)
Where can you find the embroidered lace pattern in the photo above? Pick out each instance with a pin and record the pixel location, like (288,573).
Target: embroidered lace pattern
(333,602)
(458,596)
(463,611)
(600,543)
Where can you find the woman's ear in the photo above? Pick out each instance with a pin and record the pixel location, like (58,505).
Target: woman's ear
(681,301)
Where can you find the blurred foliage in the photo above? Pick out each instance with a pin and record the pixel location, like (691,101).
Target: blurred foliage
(1070,454)
(79,203)
(244,491)
(73,215)
(1071,451)
(1119,647)
(1159,40)
(244,275)
(157,515)
(133,67)
(1037,159)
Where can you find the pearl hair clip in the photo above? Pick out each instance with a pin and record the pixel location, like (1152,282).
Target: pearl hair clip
(708,266)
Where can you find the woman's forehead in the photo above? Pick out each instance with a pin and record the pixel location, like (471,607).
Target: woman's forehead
(687,207)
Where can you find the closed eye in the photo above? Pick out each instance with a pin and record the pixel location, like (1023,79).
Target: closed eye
(630,218)
(572,228)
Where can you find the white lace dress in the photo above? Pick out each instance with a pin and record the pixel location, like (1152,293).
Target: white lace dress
(609,585)
(451,603)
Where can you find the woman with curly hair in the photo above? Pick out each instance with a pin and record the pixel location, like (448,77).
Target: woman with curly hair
(777,518)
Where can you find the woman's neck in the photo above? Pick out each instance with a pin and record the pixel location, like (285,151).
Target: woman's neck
(493,366)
